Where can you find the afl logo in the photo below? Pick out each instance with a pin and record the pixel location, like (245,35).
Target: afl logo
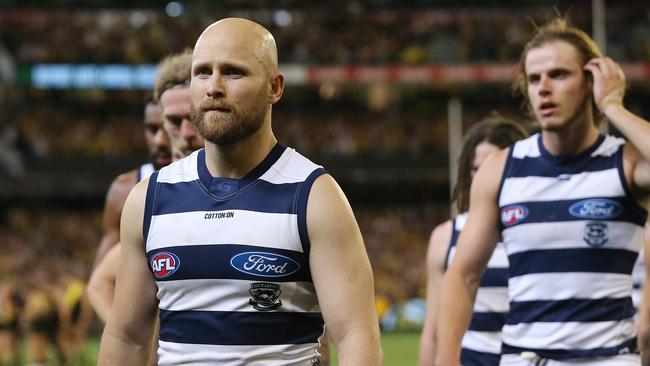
(164,264)
(264,264)
(515,214)
(598,208)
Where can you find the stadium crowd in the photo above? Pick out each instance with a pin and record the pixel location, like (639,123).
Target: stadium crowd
(357,33)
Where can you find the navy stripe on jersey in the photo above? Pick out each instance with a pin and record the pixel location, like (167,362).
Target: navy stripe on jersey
(561,210)
(303,196)
(266,197)
(476,358)
(239,328)
(494,277)
(629,346)
(487,322)
(149,204)
(214,262)
(572,310)
(536,167)
(572,260)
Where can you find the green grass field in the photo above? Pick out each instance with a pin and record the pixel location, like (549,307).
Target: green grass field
(400,349)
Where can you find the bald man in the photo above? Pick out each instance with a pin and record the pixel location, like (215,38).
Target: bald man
(246,247)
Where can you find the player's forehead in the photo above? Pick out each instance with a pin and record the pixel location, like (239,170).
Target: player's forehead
(227,53)
(175,99)
(152,113)
(550,56)
(236,42)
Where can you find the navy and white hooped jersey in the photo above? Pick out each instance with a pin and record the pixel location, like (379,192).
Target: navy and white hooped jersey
(572,232)
(481,344)
(638,277)
(231,261)
(145,171)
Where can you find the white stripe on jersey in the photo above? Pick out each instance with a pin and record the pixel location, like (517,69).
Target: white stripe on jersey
(488,342)
(183,170)
(195,354)
(200,295)
(294,169)
(538,236)
(566,335)
(491,299)
(244,227)
(555,286)
(145,171)
(585,184)
(618,360)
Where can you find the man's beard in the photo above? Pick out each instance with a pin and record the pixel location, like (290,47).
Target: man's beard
(164,154)
(227,128)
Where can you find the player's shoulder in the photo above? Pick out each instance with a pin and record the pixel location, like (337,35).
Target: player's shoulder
(293,165)
(439,242)
(441,232)
(125,180)
(488,177)
(121,186)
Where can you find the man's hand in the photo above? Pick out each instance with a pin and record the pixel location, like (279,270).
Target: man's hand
(609,82)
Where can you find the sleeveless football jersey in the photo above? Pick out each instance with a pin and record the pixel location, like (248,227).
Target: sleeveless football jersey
(231,261)
(481,344)
(145,171)
(572,232)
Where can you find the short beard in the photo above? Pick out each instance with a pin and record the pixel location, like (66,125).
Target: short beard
(230,127)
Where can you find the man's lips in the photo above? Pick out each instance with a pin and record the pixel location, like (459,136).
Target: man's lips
(547,108)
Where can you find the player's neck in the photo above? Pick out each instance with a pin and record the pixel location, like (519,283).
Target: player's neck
(237,160)
(570,141)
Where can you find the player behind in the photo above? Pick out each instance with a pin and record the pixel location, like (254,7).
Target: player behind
(482,342)
(160,155)
(565,203)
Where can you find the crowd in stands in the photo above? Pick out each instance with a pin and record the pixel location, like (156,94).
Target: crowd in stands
(112,127)
(314,33)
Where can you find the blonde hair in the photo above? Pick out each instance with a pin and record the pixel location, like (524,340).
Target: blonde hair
(173,70)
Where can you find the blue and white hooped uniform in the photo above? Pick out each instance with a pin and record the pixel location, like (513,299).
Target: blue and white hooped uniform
(481,344)
(231,261)
(145,171)
(572,232)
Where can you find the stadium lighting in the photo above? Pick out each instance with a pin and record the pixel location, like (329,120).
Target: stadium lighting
(174,9)
(282,18)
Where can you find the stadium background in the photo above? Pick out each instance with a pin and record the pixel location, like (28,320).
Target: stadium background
(378,92)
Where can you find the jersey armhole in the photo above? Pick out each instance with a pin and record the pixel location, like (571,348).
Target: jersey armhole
(450,244)
(149,205)
(626,188)
(303,196)
(506,170)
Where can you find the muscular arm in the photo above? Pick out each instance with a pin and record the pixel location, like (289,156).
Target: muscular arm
(609,89)
(115,198)
(342,275)
(127,338)
(474,248)
(101,286)
(436,257)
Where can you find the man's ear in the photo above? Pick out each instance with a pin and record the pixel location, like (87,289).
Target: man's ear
(276,88)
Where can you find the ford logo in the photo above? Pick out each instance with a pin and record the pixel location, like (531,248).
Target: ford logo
(596,208)
(264,264)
